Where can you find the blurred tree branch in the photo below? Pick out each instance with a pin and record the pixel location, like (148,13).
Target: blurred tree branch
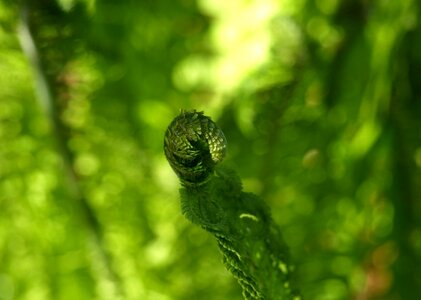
(47,35)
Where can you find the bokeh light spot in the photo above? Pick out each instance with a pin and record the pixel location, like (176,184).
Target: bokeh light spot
(86,164)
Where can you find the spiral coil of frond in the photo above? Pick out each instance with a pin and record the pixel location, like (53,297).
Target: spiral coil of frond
(193,145)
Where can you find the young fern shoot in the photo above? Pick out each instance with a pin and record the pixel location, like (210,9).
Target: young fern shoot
(212,197)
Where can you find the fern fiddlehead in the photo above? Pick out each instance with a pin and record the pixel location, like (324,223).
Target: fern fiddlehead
(212,197)
(193,146)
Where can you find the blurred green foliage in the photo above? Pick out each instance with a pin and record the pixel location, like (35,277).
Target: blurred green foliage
(320,102)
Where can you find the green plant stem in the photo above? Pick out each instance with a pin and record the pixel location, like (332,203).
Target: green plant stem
(252,247)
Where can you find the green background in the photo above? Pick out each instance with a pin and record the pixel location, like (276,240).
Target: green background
(320,102)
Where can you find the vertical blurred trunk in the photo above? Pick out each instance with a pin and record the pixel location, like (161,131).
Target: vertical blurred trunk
(52,40)
(406,121)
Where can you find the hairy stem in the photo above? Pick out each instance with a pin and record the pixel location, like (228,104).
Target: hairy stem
(250,242)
